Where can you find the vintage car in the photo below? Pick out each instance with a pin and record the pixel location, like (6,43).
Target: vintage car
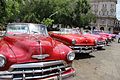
(73,39)
(27,52)
(118,37)
(104,35)
(111,36)
(100,41)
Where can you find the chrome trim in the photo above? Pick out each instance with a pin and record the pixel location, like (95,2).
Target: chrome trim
(69,54)
(4,59)
(102,45)
(64,76)
(57,76)
(58,66)
(39,64)
(41,56)
(26,72)
(82,49)
(86,51)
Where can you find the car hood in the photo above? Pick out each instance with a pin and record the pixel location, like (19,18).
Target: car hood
(96,37)
(25,46)
(80,40)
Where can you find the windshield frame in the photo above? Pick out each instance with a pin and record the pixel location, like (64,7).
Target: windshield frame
(17,24)
(30,27)
(70,31)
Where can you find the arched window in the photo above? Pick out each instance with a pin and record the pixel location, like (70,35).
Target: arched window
(109,29)
(102,28)
(93,28)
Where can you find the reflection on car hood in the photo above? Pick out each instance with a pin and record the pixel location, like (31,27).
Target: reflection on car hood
(80,40)
(24,46)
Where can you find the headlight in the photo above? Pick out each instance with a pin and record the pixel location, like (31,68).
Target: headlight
(73,41)
(110,38)
(2,61)
(71,56)
(96,42)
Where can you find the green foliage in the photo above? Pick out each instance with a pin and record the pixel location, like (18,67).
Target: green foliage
(67,12)
(47,21)
(2,11)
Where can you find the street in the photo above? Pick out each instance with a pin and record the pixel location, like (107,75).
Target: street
(99,65)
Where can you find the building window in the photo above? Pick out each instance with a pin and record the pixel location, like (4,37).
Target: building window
(99,13)
(93,28)
(109,29)
(104,9)
(102,28)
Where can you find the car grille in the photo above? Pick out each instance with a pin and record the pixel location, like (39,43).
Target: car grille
(81,47)
(39,70)
(100,43)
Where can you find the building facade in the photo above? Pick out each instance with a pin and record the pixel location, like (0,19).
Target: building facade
(105,11)
(116,28)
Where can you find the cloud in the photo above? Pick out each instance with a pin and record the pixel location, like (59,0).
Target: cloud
(118,1)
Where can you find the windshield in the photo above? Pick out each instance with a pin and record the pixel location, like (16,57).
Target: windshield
(96,32)
(69,31)
(42,29)
(85,32)
(17,28)
(26,28)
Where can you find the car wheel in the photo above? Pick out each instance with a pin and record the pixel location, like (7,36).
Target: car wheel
(99,48)
(119,40)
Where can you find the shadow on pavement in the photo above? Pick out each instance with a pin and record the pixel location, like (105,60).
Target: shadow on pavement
(83,56)
(102,49)
(108,44)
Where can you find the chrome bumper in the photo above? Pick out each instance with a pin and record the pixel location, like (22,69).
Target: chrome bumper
(68,76)
(82,49)
(59,73)
(102,45)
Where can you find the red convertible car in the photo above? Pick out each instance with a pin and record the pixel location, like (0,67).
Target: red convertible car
(73,39)
(104,35)
(27,52)
(100,41)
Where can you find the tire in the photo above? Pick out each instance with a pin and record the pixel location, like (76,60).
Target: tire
(99,48)
(118,40)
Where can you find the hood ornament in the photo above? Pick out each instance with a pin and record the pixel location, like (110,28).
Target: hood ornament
(41,56)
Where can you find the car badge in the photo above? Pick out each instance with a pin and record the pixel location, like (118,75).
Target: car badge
(41,56)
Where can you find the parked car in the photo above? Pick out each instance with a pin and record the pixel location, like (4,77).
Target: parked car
(74,40)
(104,35)
(100,41)
(113,36)
(118,36)
(28,52)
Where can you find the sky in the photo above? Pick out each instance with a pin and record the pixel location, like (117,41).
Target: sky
(118,10)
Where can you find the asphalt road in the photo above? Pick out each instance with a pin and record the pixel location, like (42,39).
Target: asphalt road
(99,65)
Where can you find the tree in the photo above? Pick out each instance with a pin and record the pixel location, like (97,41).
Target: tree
(2,11)
(81,8)
(73,13)
(47,22)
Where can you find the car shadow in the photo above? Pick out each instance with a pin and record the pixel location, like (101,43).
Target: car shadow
(102,49)
(108,45)
(83,56)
